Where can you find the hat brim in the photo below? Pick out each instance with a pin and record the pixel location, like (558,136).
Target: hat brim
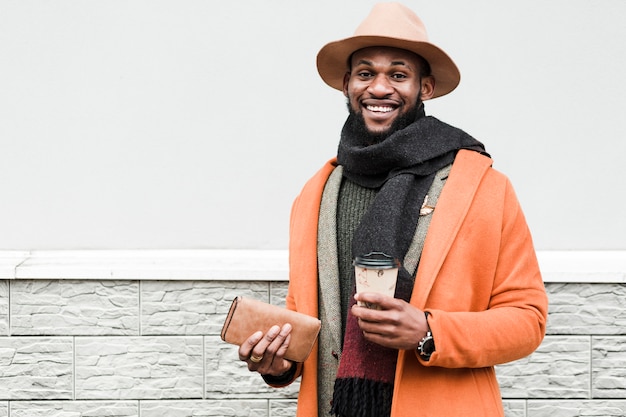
(332,60)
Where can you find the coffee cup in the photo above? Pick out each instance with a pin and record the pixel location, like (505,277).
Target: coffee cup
(375,272)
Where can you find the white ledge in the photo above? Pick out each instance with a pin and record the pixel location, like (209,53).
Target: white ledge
(238,265)
(583,266)
(252,265)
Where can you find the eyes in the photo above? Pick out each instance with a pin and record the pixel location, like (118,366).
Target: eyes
(394,75)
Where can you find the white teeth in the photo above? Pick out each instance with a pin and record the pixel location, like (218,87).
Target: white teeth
(380,109)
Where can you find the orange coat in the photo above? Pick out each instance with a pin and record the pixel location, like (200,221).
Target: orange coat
(478,277)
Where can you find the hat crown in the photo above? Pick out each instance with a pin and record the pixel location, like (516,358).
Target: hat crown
(393,20)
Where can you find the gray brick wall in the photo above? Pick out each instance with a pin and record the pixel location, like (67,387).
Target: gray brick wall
(151,348)
(580,368)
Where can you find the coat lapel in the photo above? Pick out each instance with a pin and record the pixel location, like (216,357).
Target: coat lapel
(456,198)
(328,261)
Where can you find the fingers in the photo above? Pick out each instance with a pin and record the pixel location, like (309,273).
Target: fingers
(396,324)
(264,353)
(246,347)
(258,352)
(376,300)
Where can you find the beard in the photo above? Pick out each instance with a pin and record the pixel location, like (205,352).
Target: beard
(359,128)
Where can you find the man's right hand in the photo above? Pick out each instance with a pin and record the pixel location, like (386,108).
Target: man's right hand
(264,353)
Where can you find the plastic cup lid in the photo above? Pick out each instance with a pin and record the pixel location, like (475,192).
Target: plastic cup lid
(376,260)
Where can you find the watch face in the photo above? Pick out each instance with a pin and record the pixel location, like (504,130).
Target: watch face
(428,346)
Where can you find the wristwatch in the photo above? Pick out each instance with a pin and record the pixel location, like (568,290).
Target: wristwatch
(426,346)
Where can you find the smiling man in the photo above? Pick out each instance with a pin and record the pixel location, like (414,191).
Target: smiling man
(407,187)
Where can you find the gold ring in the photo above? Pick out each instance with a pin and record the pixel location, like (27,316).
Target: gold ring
(256,359)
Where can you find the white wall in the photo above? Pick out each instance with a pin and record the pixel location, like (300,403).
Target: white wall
(193,124)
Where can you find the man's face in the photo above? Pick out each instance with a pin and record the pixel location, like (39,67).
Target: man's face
(384,84)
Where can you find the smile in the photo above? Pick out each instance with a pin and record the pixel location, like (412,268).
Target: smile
(379,109)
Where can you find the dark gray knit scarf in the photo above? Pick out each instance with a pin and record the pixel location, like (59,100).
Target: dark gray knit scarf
(403,167)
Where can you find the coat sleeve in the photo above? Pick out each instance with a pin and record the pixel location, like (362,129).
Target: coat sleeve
(294,373)
(499,308)
(302,294)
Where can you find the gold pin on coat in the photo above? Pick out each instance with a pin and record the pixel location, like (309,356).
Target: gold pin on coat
(426,209)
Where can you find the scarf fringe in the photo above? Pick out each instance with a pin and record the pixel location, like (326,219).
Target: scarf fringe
(357,397)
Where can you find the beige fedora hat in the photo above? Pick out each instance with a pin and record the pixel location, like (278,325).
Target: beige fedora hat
(394,25)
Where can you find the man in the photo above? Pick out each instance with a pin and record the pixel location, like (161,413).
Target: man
(469,293)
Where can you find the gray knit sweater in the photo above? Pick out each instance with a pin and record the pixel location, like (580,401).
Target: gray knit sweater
(354,200)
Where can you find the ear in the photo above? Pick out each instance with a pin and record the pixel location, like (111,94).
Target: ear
(428,87)
(346,80)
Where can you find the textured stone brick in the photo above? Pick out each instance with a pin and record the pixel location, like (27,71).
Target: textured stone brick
(278,293)
(4,308)
(559,368)
(609,367)
(580,408)
(228,377)
(74,409)
(595,309)
(192,307)
(73,307)
(514,408)
(205,408)
(157,368)
(138,367)
(35,368)
(283,408)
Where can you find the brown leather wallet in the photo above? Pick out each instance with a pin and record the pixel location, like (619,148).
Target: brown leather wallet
(247,316)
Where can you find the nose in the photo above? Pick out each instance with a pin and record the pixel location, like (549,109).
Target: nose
(380,86)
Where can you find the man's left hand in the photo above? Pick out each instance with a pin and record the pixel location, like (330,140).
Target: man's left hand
(397,324)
